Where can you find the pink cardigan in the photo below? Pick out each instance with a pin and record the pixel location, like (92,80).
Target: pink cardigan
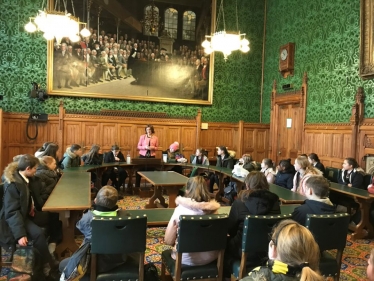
(144,141)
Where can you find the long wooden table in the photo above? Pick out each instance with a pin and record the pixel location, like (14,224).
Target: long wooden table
(159,179)
(72,195)
(69,198)
(364,199)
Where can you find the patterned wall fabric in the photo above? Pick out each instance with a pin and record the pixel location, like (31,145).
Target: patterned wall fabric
(237,81)
(327,36)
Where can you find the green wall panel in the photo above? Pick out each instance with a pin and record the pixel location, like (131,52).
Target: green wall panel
(237,81)
(327,35)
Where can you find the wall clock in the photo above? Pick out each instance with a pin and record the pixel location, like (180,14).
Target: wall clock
(287,59)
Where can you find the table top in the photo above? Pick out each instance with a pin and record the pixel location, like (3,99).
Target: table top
(72,192)
(351,191)
(164,178)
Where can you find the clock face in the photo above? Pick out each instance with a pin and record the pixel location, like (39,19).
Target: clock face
(284,54)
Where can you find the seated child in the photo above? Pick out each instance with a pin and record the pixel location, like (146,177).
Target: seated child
(197,201)
(293,255)
(72,156)
(317,190)
(105,204)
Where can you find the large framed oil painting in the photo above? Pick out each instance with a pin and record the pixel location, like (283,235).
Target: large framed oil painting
(138,50)
(367,39)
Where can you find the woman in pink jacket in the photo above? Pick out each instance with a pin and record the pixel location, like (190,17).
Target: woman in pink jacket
(147,146)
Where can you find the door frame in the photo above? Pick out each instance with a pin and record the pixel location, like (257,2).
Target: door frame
(277,100)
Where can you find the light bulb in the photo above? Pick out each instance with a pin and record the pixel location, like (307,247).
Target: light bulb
(206,44)
(244,49)
(245,42)
(30,27)
(74,38)
(85,32)
(48,36)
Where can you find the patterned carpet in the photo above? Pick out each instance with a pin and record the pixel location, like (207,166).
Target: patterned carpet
(354,258)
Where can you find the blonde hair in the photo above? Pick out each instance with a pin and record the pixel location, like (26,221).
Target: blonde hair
(197,190)
(295,246)
(305,165)
(46,160)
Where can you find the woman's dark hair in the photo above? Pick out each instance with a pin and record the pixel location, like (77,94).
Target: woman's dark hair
(44,146)
(202,151)
(314,157)
(50,150)
(151,127)
(93,151)
(255,180)
(352,162)
(75,147)
(268,162)
(286,164)
(224,149)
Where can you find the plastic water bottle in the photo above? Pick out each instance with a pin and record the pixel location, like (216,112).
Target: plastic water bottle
(128,158)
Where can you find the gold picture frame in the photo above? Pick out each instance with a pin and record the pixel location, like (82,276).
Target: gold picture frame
(170,83)
(366,39)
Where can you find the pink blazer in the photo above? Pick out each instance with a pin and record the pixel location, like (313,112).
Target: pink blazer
(144,141)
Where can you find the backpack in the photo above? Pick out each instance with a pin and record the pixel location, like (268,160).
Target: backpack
(78,264)
(150,272)
(26,264)
(231,192)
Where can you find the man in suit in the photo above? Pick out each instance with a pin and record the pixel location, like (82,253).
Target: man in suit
(114,156)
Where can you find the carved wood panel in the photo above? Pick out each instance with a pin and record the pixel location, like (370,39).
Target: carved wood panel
(109,135)
(72,134)
(127,140)
(90,135)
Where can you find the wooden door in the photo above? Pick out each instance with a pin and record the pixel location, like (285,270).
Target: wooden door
(286,139)
(289,138)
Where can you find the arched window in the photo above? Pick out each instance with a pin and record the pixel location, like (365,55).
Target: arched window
(151,21)
(189,25)
(171,22)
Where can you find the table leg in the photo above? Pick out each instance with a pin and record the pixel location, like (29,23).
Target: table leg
(157,194)
(173,193)
(364,222)
(67,245)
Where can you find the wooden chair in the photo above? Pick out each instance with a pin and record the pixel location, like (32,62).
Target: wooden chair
(332,174)
(197,234)
(330,232)
(255,241)
(119,235)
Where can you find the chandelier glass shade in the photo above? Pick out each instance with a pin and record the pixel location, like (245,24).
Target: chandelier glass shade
(222,41)
(56,25)
(152,19)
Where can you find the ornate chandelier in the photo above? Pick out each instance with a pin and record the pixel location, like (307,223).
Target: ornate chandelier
(152,19)
(57,24)
(221,41)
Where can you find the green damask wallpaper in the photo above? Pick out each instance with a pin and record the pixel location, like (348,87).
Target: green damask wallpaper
(237,82)
(327,35)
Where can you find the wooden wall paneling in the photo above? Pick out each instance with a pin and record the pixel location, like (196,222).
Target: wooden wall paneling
(127,140)
(171,135)
(249,141)
(90,135)
(109,135)
(188,141)
(72,134)
(262,143)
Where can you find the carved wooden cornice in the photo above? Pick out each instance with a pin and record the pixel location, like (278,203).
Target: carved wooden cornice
(358,107)
(125,114)
(328,126)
